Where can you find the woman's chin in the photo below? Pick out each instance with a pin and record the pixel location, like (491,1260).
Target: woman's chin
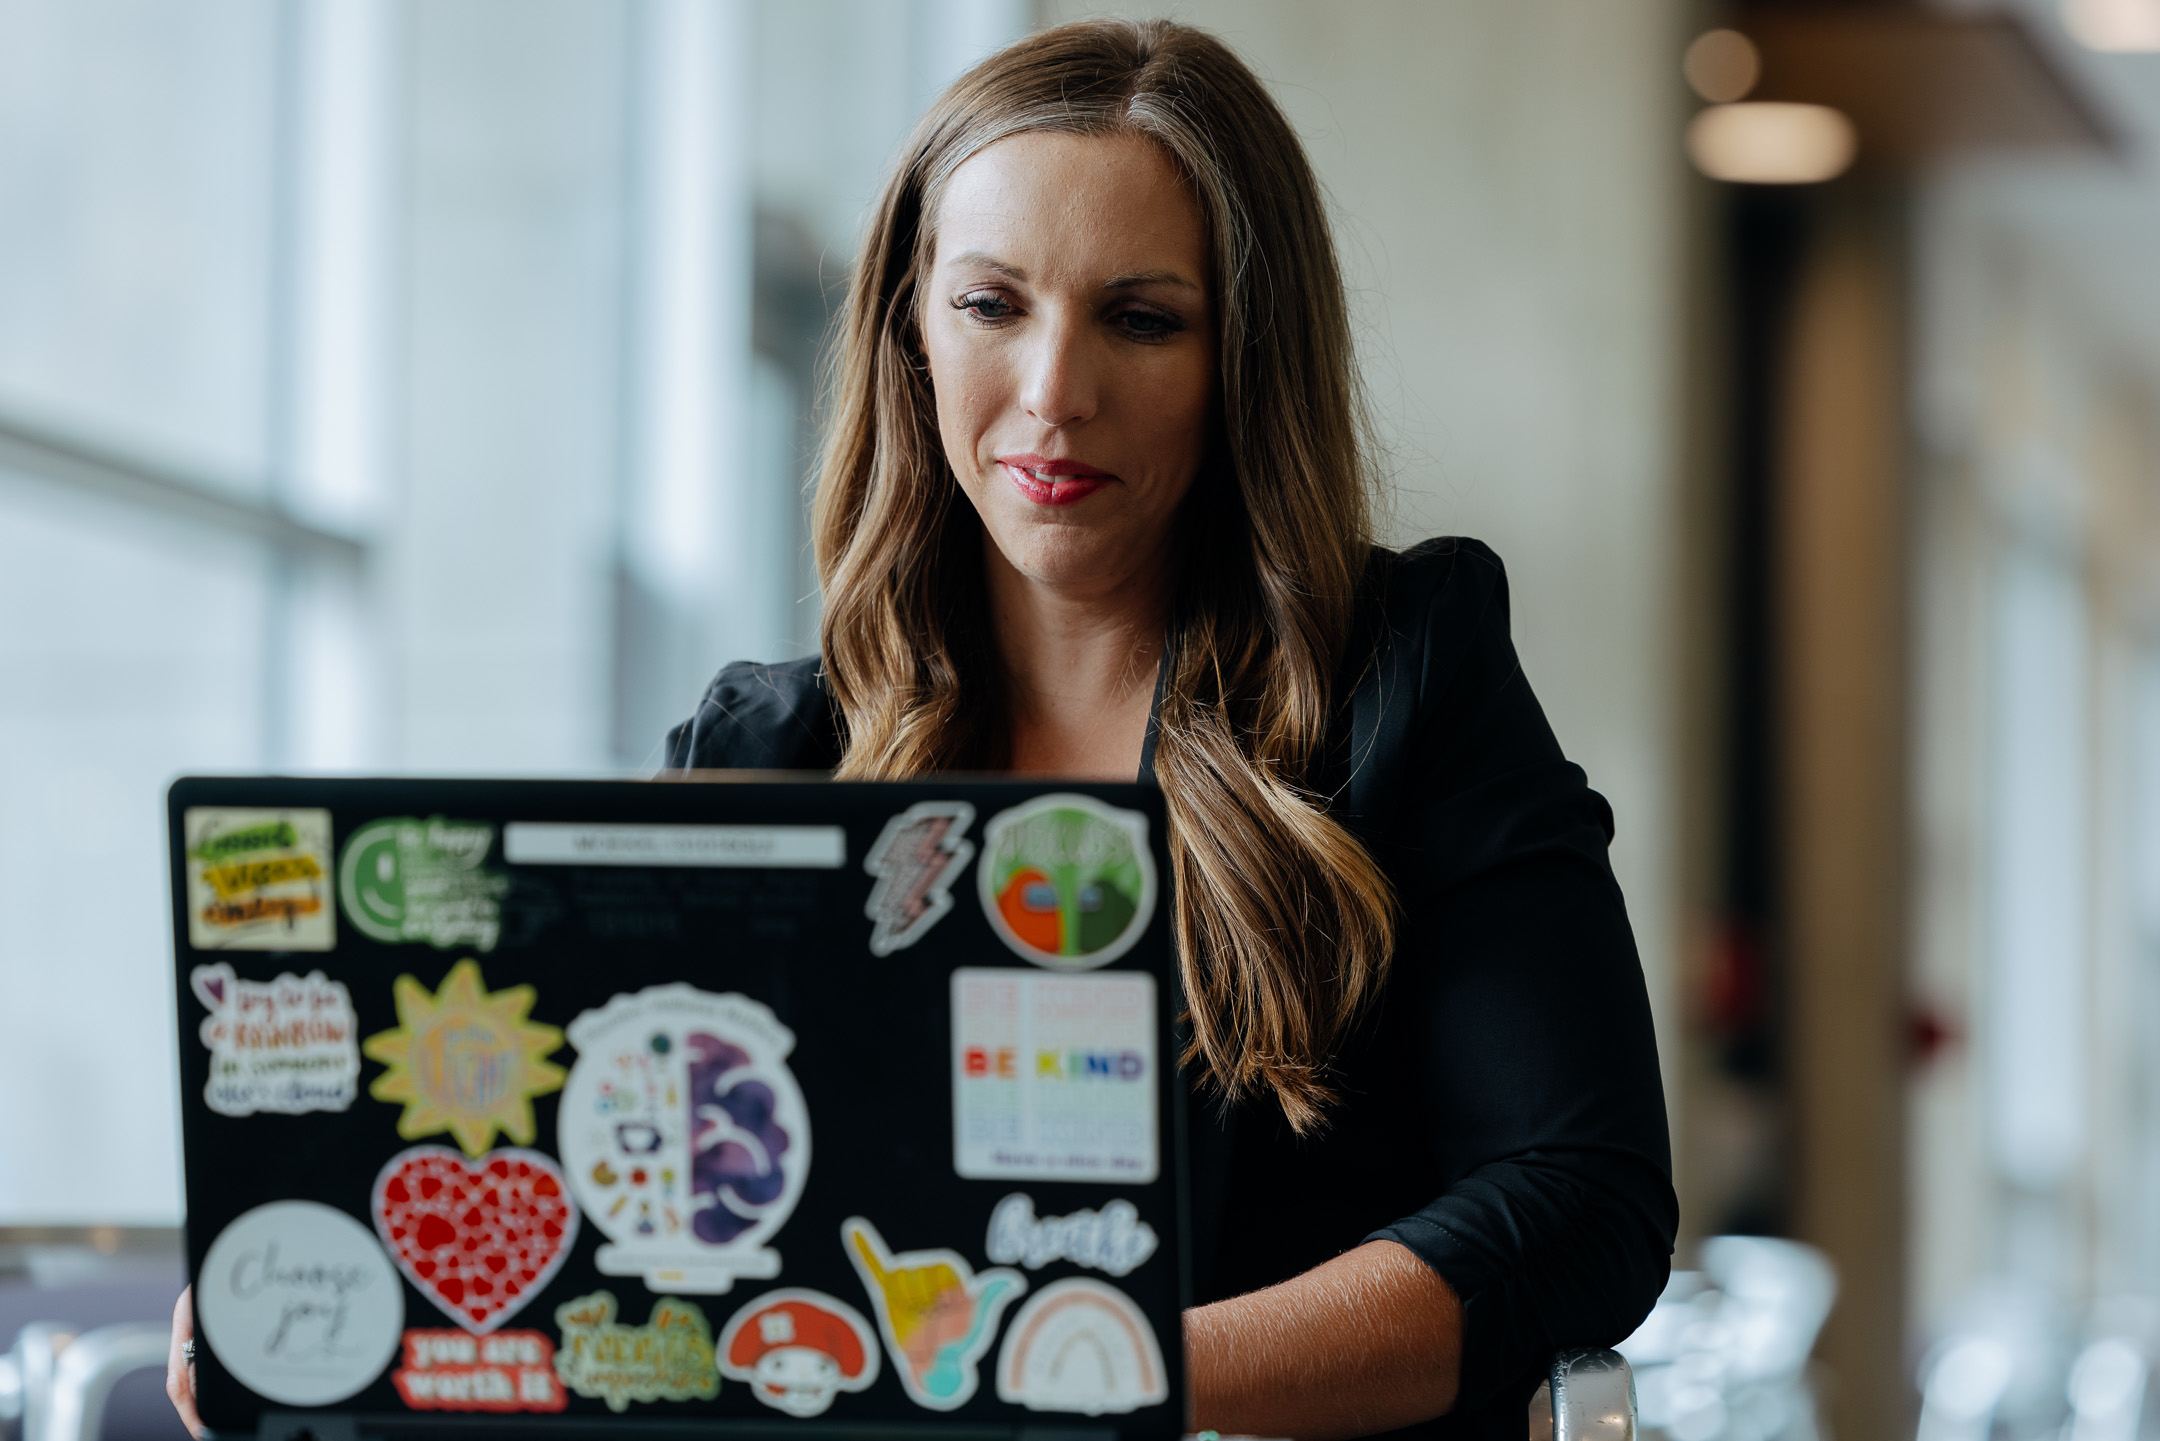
(1064,555)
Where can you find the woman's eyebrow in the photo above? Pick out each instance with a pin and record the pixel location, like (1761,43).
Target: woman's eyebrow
(1148,277)
(989,262)
(1130,281)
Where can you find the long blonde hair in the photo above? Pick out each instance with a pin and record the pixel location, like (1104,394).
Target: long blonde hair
(1284,924)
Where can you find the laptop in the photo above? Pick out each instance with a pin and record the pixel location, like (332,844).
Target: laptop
(578,1108)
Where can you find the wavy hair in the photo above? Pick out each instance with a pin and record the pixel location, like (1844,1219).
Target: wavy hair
(1284,924)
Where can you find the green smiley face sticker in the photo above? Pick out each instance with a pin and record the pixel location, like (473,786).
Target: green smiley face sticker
(1067,881)
(405,880)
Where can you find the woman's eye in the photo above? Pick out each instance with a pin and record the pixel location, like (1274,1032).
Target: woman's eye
(1149,324)
(985,307)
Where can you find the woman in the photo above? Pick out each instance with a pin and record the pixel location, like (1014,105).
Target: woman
(1100,294)
(1094,505)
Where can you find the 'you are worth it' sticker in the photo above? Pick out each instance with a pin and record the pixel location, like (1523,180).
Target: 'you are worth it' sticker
(1067,881)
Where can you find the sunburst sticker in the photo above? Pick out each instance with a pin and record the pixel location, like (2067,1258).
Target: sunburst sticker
(465,1061)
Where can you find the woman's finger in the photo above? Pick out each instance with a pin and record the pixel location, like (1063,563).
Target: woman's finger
(179,1370)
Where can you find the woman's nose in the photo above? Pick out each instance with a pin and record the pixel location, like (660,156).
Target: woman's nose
(1061,384)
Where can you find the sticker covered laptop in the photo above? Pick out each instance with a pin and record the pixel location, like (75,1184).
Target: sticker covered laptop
(571,1106)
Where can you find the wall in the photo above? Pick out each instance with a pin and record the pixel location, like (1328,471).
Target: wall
(1510,199)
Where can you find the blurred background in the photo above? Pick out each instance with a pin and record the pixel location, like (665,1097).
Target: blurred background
(430,385)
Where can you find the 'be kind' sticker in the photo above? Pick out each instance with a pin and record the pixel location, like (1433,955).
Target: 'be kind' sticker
(1054,1077)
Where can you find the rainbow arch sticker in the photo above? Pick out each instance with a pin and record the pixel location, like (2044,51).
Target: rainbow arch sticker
(1067,882)
(1081,1345)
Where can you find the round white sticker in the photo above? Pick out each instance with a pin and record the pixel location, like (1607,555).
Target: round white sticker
(300,1303)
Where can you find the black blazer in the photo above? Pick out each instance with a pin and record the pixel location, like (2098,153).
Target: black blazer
(1504,1118)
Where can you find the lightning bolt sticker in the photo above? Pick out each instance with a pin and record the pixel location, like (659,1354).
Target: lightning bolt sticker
(915,860)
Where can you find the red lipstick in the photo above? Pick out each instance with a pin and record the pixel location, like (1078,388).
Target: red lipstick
(1053,482)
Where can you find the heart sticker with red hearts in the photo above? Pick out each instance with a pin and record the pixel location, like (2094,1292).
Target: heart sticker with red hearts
(480,1238)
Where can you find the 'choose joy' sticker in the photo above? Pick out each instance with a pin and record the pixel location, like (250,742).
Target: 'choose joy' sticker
(299,1303)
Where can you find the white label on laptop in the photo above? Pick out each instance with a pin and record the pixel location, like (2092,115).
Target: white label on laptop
(557,843)
(299,1302)
(258,879)
(1054,1076)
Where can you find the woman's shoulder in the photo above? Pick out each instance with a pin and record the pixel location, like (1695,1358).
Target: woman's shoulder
(760,717)
(1437,702)
(1428,607)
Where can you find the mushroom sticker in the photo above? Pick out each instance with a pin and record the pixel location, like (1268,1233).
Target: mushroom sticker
(799,1349)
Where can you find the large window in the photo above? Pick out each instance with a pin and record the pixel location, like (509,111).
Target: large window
(384,387)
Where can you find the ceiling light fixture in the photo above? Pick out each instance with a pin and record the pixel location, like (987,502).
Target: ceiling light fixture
(2114,24)
(1722,65)
(1768,142)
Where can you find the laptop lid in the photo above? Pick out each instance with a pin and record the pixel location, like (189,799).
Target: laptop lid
(585,1107)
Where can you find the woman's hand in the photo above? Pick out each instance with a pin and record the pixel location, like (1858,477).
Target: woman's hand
(1367,1342)
(179,1370)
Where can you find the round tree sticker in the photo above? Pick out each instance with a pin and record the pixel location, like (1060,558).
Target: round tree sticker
(1067,881)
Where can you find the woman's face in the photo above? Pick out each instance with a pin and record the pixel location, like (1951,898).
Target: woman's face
(1071,342)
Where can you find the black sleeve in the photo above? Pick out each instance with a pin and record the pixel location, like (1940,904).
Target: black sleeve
(1528,1027)
(759,717)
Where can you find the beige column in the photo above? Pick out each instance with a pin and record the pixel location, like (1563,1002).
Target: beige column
(1841,599)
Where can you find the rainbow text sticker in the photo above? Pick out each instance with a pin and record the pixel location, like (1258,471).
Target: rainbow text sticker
(258,880)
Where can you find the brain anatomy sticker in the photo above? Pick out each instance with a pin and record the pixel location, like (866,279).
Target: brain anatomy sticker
(406,879)
(1054,1076)
(289,1045)
(456,1371)
(938,1314)
(1067,881)
(1113,1239)
(799,1349)
(478,1238)
(299,1303)
(258,880)
(916,859)
(1081,1345)
(669,1358)
(465,1060)
(685,1136)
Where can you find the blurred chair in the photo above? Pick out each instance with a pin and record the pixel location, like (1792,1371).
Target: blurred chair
(1589,1396)
(2107,1391)
(1961,1388)
(1724,1355)
(56,1383)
